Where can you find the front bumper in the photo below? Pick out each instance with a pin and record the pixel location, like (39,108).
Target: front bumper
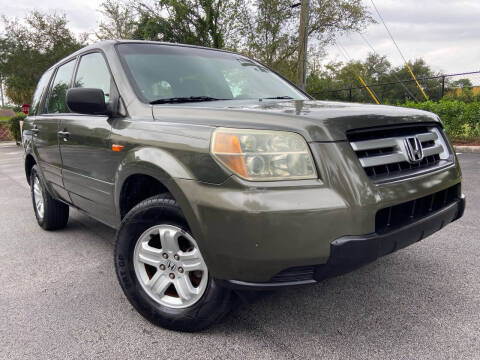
(252,232)
(350,252)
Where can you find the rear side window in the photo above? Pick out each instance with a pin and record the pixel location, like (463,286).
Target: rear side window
(37,96)
(57,95)
(93,73)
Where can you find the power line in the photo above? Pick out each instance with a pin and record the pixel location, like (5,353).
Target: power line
(342,51)
(398,48)
(370,91)
(368,42)
(393,73)
(388,31)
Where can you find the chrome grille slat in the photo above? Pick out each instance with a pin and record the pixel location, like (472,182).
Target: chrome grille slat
(427,137)
(434,150)
(374,144)
(383,159)
(385,153)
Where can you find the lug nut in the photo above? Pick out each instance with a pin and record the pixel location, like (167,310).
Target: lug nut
(180,270)
(165,255)
(176,257)
(162,267)
(172,276)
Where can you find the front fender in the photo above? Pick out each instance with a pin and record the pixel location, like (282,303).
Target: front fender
(162,166)
(158,162)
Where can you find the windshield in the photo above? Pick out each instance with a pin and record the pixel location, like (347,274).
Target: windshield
(168,72)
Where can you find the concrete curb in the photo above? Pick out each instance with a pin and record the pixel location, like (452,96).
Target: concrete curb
(467,149)
(7,143)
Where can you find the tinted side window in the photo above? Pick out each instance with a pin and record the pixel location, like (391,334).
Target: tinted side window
(41,86)
(93,73)
(57,95)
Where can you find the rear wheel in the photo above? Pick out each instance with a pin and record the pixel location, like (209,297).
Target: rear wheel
(51,214)
(161,269)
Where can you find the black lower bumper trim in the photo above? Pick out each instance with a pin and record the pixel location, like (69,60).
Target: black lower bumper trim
(245,285)
(350,252)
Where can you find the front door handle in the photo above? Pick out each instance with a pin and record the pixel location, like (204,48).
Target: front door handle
(35,130)
(64,134)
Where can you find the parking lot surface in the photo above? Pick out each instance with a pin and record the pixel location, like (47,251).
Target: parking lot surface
(59,297)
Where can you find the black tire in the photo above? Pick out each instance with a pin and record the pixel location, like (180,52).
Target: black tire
(213,305)
(55,213)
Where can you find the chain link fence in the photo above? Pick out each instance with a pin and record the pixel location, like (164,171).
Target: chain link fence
(5,133)
(436,87)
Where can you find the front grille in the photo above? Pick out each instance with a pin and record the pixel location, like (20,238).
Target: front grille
(298,273)
(384,152)
(393,217)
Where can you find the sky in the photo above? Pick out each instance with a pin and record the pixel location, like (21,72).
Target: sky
(81,14)
(446,33)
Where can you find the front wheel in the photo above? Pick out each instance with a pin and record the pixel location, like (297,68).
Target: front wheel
(161,269)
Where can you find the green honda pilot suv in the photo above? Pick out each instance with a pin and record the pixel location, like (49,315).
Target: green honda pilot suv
(221,176)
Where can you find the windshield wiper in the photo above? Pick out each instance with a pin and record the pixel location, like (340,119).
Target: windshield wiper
(186,99)
(286,97)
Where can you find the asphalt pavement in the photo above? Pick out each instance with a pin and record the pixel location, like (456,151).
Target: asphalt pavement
(60,299)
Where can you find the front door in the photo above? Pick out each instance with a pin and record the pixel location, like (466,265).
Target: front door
(45,130)
(86,149)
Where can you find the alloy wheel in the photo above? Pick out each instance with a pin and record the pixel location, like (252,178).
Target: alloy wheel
(169,266)
(38,197)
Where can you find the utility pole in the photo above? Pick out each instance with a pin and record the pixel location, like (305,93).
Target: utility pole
(1,91)
(302,44)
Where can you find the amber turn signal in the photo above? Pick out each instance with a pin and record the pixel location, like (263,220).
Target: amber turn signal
(227,148)
(117,148)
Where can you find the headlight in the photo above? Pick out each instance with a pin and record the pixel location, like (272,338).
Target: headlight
(263,155)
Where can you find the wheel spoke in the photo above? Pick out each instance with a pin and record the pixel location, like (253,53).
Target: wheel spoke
(38,197)
(191,260)
(149,255)
(36,190)
(159,283)
(184,288)
(169,240)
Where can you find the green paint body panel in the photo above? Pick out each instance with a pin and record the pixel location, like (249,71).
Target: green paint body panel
(247,231)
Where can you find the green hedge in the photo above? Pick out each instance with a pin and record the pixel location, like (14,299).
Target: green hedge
(461,119)
(14,126)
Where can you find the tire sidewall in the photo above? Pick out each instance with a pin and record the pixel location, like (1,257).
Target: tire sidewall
(133,226)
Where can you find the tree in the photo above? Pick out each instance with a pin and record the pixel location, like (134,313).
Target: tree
(264,29)
(421,69)
(328,81)
(270,28)
(461,89)
(120,21)
(461,83)
(323,80)
(197,22)
(376,69)
(29,48)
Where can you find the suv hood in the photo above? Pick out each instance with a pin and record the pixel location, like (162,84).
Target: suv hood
(315,120)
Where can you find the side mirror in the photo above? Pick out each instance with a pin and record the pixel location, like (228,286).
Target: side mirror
(87,101)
